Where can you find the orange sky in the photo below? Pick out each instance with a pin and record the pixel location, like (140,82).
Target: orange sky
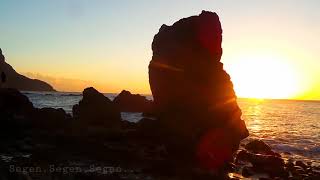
(270,48)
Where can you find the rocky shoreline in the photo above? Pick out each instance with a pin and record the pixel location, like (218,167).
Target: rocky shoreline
(126,151)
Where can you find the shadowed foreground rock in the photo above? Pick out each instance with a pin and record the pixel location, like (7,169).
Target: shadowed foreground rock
(127,102)
(16,111)
(12,102)
(193,95)
(97,110)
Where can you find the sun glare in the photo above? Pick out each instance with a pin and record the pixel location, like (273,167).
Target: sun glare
(263,77)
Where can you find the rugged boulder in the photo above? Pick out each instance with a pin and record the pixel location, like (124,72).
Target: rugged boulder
(50,118)
(258,146)
(270,164)
(15,109)
(18,114)
(193,95)
(20,82)
(97,110)
(14,103)
(127,102)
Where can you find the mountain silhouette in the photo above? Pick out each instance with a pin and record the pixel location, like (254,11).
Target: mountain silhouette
(20,82)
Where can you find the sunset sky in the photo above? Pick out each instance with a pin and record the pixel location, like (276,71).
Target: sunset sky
(270,48)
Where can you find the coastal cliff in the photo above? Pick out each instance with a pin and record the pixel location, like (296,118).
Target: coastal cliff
(20,82)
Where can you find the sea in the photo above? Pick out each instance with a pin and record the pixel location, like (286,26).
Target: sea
(290,127)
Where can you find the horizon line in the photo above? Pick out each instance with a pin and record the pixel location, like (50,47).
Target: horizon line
(144,94)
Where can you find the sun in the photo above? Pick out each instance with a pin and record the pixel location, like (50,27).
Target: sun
(263,77)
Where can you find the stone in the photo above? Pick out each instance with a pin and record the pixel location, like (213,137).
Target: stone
(262,163)
(127,102)
(243,156)
(50,118)
(18,114)
(12,102)
(193,95)
(301,164)
(270,164)
(247,171)
(15,110)
(97,110)
(258,146)
(266,160)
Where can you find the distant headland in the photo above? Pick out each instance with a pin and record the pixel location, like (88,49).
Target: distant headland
(20,82)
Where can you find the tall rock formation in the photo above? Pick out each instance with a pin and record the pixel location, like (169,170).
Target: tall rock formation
(20,82)
(193,95)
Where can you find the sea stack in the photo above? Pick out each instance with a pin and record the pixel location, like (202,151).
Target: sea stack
(193,95)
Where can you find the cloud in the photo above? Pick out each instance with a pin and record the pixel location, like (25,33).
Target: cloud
(61,83)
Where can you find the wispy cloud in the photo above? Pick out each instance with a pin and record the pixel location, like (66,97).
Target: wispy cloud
(61,83)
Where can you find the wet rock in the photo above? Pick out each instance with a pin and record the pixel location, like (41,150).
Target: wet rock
(97,110)
(289,165)
(234,176)
(301,164)
(287,153)
(296,170)
(243,156)
(193,95)
(272,165)
(247,171)
(127,102)
(266,160)
(258,146)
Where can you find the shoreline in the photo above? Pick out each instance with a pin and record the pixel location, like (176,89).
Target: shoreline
(71,143)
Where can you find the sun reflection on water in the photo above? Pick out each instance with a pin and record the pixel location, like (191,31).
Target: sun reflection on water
(254,111)
(286,125)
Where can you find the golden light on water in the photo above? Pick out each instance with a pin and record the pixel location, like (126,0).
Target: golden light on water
(264,76)
(255,111)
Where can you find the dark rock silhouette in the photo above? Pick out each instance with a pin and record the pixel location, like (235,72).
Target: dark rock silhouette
(127,102)
(258,146)
(17,110)
(193,95)
(270,164)
(12,102)
(20,82)
(50,118)
(3,77)
(97,110)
